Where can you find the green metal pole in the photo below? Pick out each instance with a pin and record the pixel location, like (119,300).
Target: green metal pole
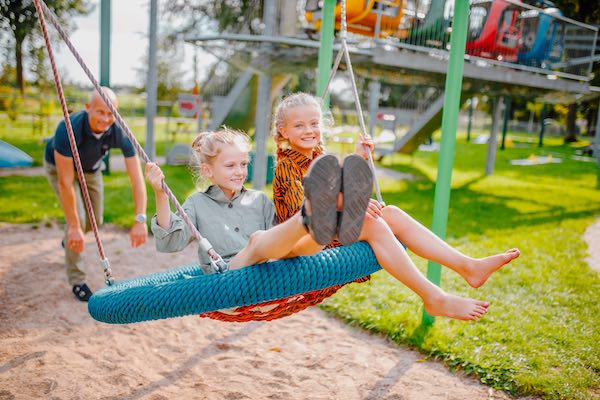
(507,103)
(326,48)
(452,93)
(105,28)
(542,125)
(470,119)
(597,146)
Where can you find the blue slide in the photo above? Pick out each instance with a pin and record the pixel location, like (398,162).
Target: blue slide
(11,157)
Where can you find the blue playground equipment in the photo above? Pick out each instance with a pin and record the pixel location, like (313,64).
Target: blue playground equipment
(12,157)
(543,37)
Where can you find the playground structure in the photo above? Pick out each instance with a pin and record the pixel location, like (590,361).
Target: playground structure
(543,37)
(512,49)
(502,30)
(368,18)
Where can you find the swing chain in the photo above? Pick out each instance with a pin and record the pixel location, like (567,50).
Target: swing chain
(109,280)
(217,263)
(343,30)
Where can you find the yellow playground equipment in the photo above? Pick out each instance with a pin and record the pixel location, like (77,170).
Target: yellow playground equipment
(361,16)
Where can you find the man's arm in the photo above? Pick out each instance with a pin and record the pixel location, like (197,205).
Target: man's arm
(139,230)
(65,174)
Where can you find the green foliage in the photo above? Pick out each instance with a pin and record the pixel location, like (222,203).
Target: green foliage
(168,68)
(13,105)
(220,15)
(7,77)
(20,18)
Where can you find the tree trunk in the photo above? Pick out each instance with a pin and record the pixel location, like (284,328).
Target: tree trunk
(19,59)
(571,134)
(591,121)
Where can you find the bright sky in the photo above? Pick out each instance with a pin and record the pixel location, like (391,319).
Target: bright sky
(129,44)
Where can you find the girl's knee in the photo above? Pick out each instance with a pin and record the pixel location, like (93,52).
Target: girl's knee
(254,239)
(252,252)
(373,227)
(395,217)
(393,212)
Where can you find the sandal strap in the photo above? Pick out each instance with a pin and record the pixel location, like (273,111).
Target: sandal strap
(305,218)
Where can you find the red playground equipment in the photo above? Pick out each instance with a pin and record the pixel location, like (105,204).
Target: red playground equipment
(495,30)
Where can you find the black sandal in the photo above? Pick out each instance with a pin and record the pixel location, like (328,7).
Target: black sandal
(357,187)
(322,184)
(82,292)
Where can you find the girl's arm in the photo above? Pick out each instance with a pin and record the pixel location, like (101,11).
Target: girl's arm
(163,210)
(171,234)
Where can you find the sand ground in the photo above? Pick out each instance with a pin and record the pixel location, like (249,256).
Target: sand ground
(51,349)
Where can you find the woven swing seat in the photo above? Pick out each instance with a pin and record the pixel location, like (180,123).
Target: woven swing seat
(279,308)
(253,292)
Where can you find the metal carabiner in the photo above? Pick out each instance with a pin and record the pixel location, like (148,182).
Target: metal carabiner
(217,263)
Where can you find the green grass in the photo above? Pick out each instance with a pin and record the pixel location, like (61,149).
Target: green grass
(540,336)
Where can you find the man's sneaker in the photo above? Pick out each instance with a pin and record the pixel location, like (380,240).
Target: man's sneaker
(82,292)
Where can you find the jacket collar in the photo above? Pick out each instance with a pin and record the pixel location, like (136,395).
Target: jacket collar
(215,193)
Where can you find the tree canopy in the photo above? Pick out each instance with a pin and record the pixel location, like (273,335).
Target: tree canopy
(20,18)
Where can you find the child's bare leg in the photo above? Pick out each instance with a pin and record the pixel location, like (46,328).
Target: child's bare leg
(277,242)
(426,244)
(392,257)
(306,246)
(273,243)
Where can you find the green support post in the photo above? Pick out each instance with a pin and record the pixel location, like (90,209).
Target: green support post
(453,87)
(507,102)
(596,146)
(542,125)
(105,30)
(471,100)
(326,47)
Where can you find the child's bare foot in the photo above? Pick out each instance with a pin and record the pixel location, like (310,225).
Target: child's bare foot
(481,269)
(452,306)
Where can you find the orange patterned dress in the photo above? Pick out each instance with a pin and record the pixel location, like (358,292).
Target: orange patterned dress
(288,192)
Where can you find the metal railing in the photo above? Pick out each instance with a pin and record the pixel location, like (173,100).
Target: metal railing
(500,32)
(506,32)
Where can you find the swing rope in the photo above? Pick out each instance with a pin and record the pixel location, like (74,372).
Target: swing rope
(80,175)
(344,52)
(217,262)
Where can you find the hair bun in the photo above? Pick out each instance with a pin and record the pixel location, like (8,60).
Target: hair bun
(200,140)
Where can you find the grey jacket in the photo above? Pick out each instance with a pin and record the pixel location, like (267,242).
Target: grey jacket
(226,223)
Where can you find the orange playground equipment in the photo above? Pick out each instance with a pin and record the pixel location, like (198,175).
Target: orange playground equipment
(361,16)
